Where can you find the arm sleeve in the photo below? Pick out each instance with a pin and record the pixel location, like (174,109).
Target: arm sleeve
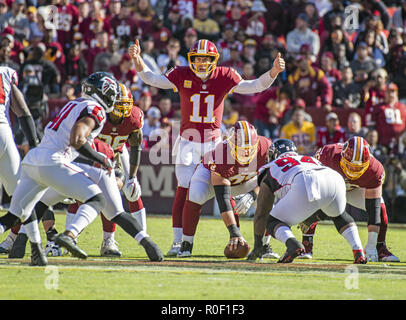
(155,80)
(254,86)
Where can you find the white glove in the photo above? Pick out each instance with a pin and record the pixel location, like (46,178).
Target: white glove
(243,204)
(132,190)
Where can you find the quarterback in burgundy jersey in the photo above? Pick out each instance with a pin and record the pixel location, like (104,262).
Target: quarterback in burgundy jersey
(202,88)
(230,169)
(364,176)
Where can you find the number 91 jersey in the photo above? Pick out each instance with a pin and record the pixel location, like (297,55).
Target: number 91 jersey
(281,172)
(202,102)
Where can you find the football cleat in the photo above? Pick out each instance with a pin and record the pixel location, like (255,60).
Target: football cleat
(385,255)
(371,254)
(308,245)
(151,248)
(18,249)
(294,249)
(52,249)
(269,254)
(38,257)
(173,251)
(69,243)
(6,245)
(109,248)
(185,250)
(359,256)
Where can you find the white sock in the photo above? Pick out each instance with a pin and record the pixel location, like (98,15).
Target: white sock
(266,240)
(351,235)
(85,216)
(12,235)
(69,219)
(188,238)
(141,218)
(140,235)
(107,235)
(33,231)
(372,240)
(177,234)
(283,233)
(1,229)
(22,229)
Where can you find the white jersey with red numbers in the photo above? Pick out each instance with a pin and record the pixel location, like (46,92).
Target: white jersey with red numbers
(8,77)
(283,170)
(55,144)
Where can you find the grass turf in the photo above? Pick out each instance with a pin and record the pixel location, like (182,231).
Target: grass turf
(208,274)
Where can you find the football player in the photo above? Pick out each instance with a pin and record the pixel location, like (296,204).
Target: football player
(229,170)
(50,165)
(12,98)
(202,88)
(292,188)
(364,176)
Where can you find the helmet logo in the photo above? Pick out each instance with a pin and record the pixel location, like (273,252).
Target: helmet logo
(108,84)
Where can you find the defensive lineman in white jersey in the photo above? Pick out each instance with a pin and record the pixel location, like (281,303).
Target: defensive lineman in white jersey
(302,189)
(50,165)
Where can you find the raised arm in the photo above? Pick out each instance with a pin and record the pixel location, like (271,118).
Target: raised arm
(146,75)
(264,81)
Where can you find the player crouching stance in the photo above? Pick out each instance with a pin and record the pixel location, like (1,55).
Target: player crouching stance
(229,170)
(302,186)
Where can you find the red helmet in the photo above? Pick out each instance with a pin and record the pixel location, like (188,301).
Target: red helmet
(243,142)
(355,157)
(124,103)
(203,48)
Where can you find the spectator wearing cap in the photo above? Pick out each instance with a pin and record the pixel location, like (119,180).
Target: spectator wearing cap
(375,92)
(152,122)
(16,46)
(303,34)
(234,16)
(148,53)
(171,58)
(249,51)
(296,104)
(91,24)
(235,60)
(301,132)
(76,65)
(68,17)
(371,8)
(189,39)
(124,26)
(311,84)
(206,27)
(254,22)
(45,70)
(362,65)
(327,65)
(5,52)
(390,118)
(332,132)
(346,93)
(354,126)
(270,107)
(373,50)
(145,101)
(35,34)
(125,72)
(16,19)
(173,22)
(223,45)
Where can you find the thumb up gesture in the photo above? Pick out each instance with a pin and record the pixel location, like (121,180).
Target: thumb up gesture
(278,65)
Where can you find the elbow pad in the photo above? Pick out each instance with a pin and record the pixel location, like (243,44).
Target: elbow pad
(223,195)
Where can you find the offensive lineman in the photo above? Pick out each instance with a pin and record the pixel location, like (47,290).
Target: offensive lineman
(229,170)
(292,189)
(202,88)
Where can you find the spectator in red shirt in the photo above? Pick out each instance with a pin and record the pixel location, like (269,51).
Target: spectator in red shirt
(223,45)
(143,11)
(125,72)
(332,132)
(327,65)
(145,101)
(375,94)
(102,46)
(234,16)
(254,22)
(235,58)
(124,26)
(68,18)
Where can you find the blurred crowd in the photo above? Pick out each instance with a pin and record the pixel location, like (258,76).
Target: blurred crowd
(342,56)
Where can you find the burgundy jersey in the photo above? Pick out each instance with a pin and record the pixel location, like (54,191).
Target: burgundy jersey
(221,162)
(68,18)
(373,97)
(324,137)
(373,177)
(202,103)
(117,135)
(390,121)
(124,27)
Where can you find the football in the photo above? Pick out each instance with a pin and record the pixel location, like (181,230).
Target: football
(239,253)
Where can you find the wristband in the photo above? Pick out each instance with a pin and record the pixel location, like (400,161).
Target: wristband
(234,231)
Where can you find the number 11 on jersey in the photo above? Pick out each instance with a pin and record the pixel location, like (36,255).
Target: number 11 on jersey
(196,117)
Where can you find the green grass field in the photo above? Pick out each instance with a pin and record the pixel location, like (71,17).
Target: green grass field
(208,274)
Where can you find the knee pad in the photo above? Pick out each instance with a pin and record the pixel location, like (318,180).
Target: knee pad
(272,223)
(342,220)
(98,202)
